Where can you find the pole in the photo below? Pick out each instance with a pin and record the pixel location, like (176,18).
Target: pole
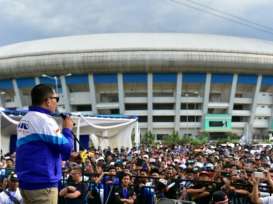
(56,83)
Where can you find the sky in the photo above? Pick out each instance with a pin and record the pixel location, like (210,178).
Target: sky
(24,20)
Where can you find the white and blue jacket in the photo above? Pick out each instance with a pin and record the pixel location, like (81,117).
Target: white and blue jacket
(40,148)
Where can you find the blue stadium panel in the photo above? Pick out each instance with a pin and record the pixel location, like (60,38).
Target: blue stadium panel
(49,81)
(135,78)
(77,79)
(105,78)
(25,82)
(195,78)
(267,80)
(164,78)
(221,78)
(6,84)
(247,79)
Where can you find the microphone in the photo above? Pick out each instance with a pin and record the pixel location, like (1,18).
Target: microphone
(65,115)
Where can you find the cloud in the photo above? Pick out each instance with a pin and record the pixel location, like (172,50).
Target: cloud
(32,19)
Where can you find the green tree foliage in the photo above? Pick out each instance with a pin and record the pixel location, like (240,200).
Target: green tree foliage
(173,138)
(148,138)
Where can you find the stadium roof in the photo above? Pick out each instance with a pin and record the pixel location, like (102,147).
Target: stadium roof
(138,41)
(135,52)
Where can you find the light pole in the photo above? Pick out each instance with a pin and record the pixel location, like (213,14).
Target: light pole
(55,78)
(2,100)
(187,111)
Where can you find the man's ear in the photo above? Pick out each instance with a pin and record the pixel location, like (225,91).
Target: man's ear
(46,102)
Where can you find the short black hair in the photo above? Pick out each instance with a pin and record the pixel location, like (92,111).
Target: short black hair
(39,93)
(126,174)
(218,196)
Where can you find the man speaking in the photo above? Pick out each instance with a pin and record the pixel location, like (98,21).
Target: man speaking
(41,146)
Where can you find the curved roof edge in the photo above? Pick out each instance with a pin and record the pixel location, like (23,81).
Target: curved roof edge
(141,61)
(136,52)
(136,42)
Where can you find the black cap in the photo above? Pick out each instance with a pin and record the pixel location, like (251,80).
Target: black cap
(13,177)
(218,196)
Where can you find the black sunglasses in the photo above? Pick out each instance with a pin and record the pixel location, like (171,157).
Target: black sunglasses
(56,97)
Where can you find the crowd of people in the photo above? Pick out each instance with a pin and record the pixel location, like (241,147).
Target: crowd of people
(206,174)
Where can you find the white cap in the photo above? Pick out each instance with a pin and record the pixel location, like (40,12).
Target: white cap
(163,181)
(146,156)
(100,158)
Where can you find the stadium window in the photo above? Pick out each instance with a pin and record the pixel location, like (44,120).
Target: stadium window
(114,111)
(108,97)
(183,119)
(236,119)
(237,107)
(83,108)
(142,119)
(163,106)
(197,118)
(183,106)
(163,118)
(216,124)
(136,106)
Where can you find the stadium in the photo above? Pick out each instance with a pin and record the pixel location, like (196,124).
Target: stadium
(187,83)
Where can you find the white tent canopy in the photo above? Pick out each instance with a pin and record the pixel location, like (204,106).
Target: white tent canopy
(104,131)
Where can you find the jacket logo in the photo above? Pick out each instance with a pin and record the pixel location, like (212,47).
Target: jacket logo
(23,125)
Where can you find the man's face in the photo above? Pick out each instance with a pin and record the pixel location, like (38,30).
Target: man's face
(204,177)
(52,102)
(9,164)
(112,172)
(126,180)
(13,184)
(76,175)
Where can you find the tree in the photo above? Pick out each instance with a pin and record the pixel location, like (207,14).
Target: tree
(148,138)
(171,139)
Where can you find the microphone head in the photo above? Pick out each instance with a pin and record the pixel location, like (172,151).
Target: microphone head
(64,115)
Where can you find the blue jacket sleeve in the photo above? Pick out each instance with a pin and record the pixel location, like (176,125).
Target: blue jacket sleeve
(66,149)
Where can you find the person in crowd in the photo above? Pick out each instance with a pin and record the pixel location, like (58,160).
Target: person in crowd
(144,188)
(94,191)
(219,197)
(173,185)
(255,194)
(200,192)
(76,191)
(107,182)
(124,194)
(41,146)
(11,195)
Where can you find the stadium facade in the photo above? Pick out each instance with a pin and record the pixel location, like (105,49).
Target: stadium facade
(173,82)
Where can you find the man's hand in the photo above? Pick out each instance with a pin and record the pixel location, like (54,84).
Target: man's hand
(68,123)
(71,189)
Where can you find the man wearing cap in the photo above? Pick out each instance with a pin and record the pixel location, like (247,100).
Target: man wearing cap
(41,147)
(12,194)
(219,197)
(199,193)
